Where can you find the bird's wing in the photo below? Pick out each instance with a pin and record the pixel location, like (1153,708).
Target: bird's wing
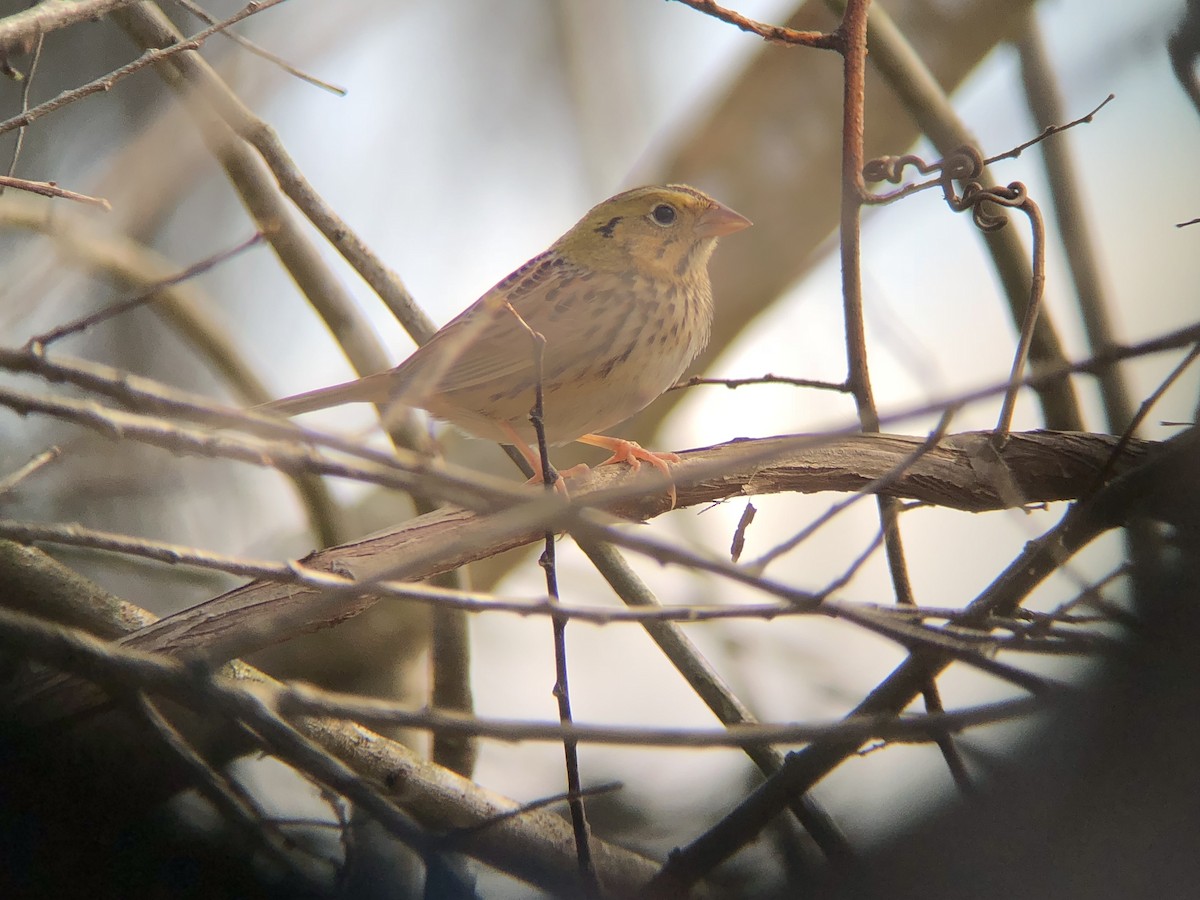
(485,343)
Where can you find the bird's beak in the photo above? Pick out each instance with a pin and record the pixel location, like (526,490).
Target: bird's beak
(719,220)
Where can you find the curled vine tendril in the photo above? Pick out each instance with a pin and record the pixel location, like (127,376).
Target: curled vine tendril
(965,166)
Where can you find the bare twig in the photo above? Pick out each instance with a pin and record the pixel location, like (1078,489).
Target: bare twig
(709,687)
(150,26)
(918,89)
(891,168)
(774,33)
(201,13)
(10,481)
(1050,130)
(302,699)
(561,690)
(21,30)
(50,189)
(26,89)
(732,383)
(38,343)
(597,790)
(150,57)
(1082,523)
(534,845)
(1148,404)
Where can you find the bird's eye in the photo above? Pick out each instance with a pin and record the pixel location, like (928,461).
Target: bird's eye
(663,214)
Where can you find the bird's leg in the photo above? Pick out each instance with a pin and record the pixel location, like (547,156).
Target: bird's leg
(534,458)
(634,454)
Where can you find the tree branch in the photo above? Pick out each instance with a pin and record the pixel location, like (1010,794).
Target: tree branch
(1043,466)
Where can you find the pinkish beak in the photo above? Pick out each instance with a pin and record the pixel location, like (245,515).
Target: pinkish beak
(720,220)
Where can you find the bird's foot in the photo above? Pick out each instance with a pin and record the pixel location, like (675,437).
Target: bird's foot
(634,454)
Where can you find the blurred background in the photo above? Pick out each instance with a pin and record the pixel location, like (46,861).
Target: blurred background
(471,135)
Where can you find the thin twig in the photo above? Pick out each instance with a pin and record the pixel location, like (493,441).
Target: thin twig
(217,788)
(1022,201)
(1074,232)
(774,33)
(150,57)
(597,790)
(298,699)
(891,168)
(50,189)
(38,343)
(1050,131)
(878,485)
(10,481)
(562,690)
(909,76)
(704,679)
(732,383)
(1082,523)
(1144,409)
(26,89)
(201,13)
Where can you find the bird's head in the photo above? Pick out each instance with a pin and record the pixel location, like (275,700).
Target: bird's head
(659,232)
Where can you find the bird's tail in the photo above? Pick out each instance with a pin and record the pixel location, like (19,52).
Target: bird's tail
(372,389)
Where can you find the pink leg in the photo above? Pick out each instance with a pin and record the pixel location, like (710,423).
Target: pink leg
(535,461)
(634,454)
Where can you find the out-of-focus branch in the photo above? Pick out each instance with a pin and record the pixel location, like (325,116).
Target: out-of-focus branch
(184,307)
(1184,49)
(1073,220)
(301,699)
(381,774)
(907,74)
(150,27)
(20,31)
(206,97)
(700,675)
(770,142)
(38,585)
(199,12)
(1138,493)
(49,189)
(150,57)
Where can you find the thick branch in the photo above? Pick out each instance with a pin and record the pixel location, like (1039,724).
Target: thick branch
(957,472)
